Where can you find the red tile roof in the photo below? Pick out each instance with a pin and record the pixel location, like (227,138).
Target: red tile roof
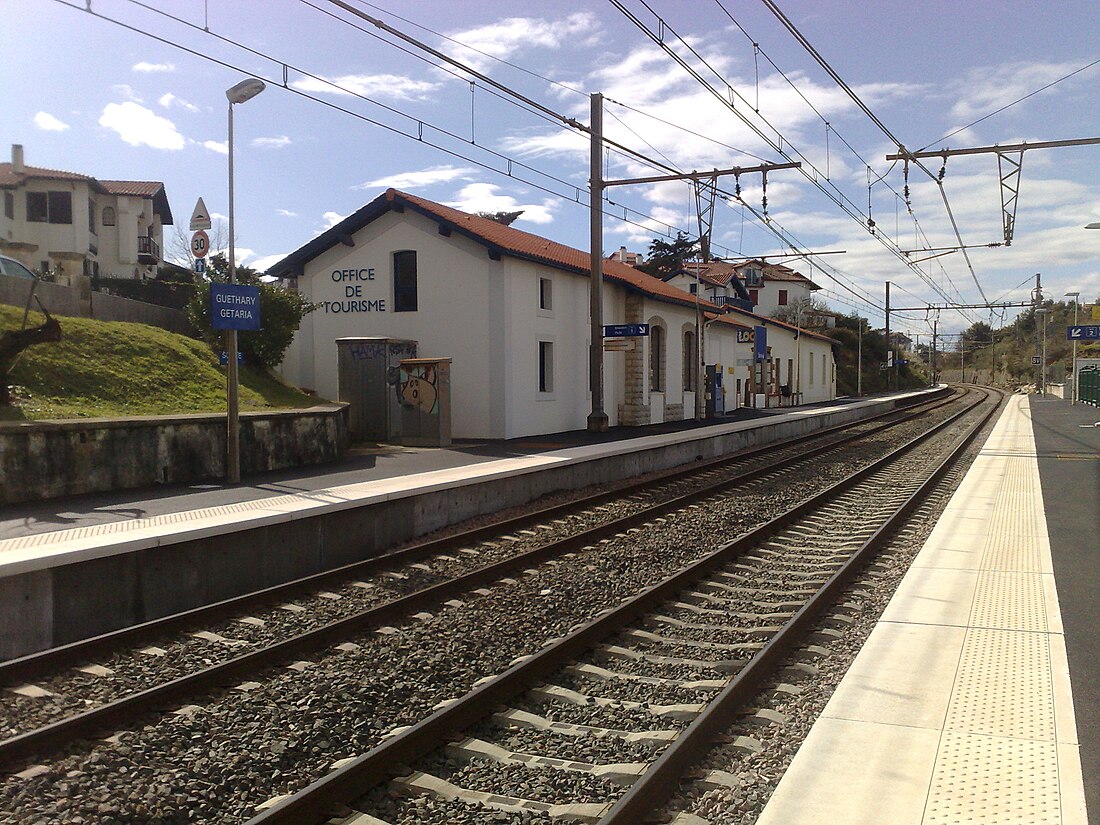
(9,177)
(134,188)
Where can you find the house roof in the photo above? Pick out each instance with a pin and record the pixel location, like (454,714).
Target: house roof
(720,272)
(10,179)
(496,237)
(742,317)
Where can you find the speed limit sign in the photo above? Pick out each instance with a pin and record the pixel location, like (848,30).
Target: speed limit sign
(200,244)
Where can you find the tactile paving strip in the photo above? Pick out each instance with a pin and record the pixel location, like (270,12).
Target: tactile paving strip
(994,781)
(1009,601)
(1003,686)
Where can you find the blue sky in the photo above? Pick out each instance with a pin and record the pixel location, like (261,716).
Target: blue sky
(85,94)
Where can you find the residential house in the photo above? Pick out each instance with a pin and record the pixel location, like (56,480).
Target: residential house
(766,286)
(73,224)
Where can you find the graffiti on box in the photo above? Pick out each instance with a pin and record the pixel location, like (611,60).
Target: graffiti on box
(416,387)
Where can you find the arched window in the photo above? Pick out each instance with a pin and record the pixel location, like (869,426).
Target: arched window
(691,361)
(108,216)
(656,359)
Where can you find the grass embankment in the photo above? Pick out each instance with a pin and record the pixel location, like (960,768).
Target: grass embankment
(109,369)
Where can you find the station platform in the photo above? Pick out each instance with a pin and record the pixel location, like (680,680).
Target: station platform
(78,567)
(975,698)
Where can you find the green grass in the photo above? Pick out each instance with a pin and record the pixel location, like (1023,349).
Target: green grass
(109,369)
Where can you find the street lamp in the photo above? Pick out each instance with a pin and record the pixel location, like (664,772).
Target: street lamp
(1073,387)
(239,93)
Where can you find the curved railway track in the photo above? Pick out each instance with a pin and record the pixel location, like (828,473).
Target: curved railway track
(630,512)
(739,610)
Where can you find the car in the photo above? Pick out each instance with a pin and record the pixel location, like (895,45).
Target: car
(12,267)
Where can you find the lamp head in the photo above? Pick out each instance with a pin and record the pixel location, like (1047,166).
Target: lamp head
(1092,226)
(245,90)
(1074,295)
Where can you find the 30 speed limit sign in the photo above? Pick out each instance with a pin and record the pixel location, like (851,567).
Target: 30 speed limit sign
(200,244)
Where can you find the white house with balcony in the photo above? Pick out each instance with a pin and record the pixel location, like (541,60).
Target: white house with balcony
(73,224)
(767,287)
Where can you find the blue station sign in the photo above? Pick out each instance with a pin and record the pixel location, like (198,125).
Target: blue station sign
(234,306)
(625,330)
(760,344)
(1083,333)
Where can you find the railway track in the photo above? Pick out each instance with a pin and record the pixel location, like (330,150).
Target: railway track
(715,630)
(397,610)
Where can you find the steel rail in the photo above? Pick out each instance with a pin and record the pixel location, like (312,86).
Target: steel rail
(656,785)
(314,802)
(122,710)
(28,667)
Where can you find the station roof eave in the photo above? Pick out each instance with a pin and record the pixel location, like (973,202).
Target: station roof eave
(497,238)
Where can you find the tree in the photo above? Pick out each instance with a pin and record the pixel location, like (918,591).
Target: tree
(13,342)
(666,258)
(796,313)
(505,218)
(281,312)
(978,333)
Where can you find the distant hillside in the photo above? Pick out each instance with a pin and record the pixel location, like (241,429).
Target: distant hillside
(107,368)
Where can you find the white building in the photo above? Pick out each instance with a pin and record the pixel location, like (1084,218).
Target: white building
(767,286)
(75,224)
(511,309)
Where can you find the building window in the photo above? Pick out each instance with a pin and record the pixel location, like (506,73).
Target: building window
(404,281)
(693,288)
(108,216)
(546,366)
(546,294)
(656,359)
(9,205)
(61,207)
(782,297)
(38,209)
(691,361)
(754,296)
(91,216)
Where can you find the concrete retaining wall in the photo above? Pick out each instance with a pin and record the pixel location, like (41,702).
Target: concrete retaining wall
(81,302)
(47,459)
(146,577)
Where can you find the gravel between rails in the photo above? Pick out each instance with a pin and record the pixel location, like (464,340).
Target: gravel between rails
(216,763)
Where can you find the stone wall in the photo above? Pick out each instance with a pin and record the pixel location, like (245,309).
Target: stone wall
(47,459)
(80,302)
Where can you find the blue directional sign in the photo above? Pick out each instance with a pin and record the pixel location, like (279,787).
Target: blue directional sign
(760,344)
(625,330)
(234,306)
(1083,333)
(223,357)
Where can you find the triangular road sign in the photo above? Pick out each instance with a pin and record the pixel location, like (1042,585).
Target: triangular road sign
(200,218)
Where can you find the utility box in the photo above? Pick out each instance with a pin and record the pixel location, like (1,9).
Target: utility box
(424,388)
(367,372)
(716,394)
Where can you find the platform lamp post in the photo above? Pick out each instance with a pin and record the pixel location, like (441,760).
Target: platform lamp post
(1073,387)
(239,93)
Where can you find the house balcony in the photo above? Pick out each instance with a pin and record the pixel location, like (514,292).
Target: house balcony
(148,250)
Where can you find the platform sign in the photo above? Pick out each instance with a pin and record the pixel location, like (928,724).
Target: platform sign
(1083,333)
(760,344)
(234,306)
(619,345)
(625,330)
(1036,360)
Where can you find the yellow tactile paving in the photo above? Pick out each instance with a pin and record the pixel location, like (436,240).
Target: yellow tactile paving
(969,656)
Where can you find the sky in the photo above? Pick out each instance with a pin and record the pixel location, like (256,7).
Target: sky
(136,91)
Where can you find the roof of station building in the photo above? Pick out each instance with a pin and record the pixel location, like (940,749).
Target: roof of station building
(498,238)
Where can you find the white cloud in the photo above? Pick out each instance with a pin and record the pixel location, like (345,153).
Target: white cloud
(332,218)
(280,142)
(138,126)
(46,121)
(369,85)
(286,213)
(415,180)
(483,197)
(984,89)
(126,91)
(154,67)
(267,261)
(221,147)
(168,99)
(508,36)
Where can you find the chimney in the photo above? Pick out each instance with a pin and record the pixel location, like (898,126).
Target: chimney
(17,158)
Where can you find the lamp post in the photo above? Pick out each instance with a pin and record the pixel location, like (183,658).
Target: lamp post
(1041,350)
(240,93)
(1073,387)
